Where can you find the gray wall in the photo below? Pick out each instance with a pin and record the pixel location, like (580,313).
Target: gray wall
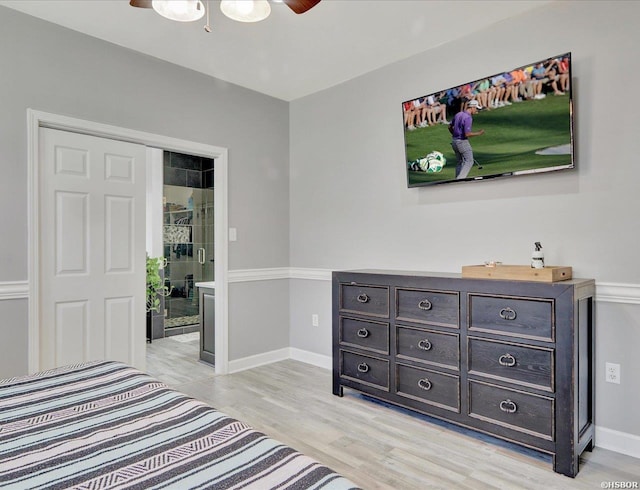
(13,337)
(309,297)
(261,318)
(49,68)
(351,208)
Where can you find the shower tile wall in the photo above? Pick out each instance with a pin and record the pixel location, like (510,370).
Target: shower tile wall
(187,170)
(192,176)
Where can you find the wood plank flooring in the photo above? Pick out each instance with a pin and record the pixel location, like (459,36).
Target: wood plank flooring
(374,445)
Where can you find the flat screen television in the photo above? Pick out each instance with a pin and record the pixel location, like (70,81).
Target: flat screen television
(523,124)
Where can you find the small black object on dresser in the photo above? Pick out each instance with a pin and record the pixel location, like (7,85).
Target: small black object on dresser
(513,359)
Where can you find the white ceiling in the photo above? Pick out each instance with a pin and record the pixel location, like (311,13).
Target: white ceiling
(287,55)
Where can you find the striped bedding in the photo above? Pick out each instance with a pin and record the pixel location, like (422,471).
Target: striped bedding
(105,425)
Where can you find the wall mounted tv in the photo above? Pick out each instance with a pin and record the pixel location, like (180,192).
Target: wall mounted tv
(523,125)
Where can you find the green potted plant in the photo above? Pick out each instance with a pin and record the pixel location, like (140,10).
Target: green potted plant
(155,288)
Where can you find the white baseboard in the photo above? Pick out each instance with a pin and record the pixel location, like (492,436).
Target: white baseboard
(318,360)
(258,360)
(617,441)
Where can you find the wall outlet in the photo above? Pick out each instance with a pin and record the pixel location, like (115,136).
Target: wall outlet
(612,372)
(314,320)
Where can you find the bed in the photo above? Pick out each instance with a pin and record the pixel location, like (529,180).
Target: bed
(105,425)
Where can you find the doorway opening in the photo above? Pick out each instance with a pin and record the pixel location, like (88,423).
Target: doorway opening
(37,120)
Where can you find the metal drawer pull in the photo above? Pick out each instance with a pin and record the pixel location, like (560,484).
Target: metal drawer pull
(363,367)
(424,384)
(507,360)
(425,305)
(508,406)
(424,344)
(363,333)
(362,298)
(508,314)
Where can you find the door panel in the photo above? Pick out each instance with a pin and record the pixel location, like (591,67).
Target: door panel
(72,232)
(92,249)
(119,325)
(71,332)
(119,244)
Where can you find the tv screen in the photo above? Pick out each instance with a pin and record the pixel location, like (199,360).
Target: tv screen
(511,123)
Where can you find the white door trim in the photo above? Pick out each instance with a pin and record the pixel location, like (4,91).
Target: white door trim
(37,119)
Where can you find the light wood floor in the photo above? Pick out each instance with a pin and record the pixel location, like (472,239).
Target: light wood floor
(375,446)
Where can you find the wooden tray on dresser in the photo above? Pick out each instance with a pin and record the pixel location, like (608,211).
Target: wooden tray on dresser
(550,273)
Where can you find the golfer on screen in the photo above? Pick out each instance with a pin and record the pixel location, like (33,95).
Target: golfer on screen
(460,129)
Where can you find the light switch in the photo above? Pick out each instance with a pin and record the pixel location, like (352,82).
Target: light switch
(233,235)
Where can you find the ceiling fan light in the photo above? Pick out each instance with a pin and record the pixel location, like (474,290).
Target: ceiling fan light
(180,10)
(246,10)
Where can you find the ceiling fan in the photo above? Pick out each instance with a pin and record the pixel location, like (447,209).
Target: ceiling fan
(240,10)
(301,6)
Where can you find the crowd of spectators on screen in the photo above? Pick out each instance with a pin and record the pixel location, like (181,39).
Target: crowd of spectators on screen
(529,83)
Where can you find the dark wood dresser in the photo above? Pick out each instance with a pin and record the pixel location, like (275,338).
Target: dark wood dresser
(513,359)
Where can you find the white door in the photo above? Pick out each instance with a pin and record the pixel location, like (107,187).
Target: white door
(92,250)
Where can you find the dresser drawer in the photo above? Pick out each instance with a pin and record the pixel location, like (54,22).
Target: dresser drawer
(439,389)
(365,300)
(424,306)
(517,317)
(517,410)
(429,346)
(528,366)
(365,334)
(364,369)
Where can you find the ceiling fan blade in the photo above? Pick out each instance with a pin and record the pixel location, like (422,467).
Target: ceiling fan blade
(145,4)
(301,6)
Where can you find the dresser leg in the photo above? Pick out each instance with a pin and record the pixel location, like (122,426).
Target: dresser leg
(567,465)
(338,390)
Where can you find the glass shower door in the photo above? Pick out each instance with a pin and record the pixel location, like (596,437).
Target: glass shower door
(204,235)
(188,248)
